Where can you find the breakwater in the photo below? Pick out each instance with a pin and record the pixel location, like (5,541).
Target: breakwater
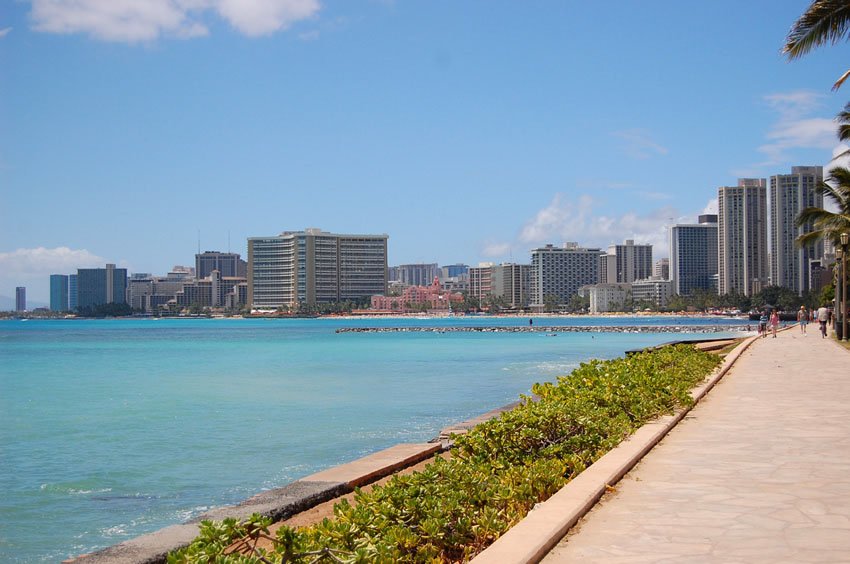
(553,329)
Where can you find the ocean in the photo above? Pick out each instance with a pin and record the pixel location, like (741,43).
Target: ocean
(110,429)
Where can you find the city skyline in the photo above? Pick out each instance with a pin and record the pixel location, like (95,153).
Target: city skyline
(468,133)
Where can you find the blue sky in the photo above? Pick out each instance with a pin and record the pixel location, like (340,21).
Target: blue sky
(466,130)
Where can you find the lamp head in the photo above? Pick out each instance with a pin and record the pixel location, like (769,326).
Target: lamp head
(844,238)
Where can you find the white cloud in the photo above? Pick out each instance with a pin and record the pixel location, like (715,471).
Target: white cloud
(146,20)
(794,105)
(575,220)
(492,250)
(263,17)
(33,267)
(711,207)
(795,128)
(638,144)
(5,31)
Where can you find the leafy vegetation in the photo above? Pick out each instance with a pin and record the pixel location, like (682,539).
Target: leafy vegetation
(456,507)
(106,310)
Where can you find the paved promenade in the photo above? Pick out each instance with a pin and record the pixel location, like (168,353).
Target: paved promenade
(759,471)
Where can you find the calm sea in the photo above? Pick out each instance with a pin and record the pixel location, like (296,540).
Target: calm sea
(113,428)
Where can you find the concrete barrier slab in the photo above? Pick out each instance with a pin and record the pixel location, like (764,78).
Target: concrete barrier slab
(375,466)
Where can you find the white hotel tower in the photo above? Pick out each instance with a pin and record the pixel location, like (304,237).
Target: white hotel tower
(742,237)
(789,195)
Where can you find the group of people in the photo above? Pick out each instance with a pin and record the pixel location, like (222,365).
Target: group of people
(770,322)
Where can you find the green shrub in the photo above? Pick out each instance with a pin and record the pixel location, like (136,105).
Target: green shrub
(453,509)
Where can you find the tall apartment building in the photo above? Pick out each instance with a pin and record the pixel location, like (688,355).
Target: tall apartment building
(314,266)
(513,282)
(481,280)
(59,292)
(742,237)
(661,269)
(626,263)
(454,270)
(98,286)
(561,271)
(507,280)
(693,256)
(150,293)
(789,195)
(72,292)
(212,291)
(417,274)
(228,264)
(21,298)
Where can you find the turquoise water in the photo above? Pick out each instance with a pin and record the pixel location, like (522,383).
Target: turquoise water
(113,428)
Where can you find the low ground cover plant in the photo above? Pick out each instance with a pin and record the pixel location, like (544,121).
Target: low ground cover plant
(455,508)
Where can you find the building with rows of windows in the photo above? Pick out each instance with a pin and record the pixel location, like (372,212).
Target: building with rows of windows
(558,272)
(693,256)
(789,195)
(314,266)
(742,237)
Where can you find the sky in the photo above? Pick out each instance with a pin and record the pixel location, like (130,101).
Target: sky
(467,131)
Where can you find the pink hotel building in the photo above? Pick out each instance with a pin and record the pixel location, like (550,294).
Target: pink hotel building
(433,295)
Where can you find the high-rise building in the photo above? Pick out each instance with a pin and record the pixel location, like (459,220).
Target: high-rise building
(742,237)
(789,195)
(512,282)
(417,274)
(558,272)
(20,298)
(149,293)
(314,266)
(212,291)
(508,280)
(661,269)
(693,256)
(454,270)
(59,292)
(481,280)
(98,286)
(228,264)
(655,290)
(72,292)
(627,262)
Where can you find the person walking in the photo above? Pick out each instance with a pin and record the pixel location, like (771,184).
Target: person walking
(774,322)
(803,319)
(823,317)
(763,324)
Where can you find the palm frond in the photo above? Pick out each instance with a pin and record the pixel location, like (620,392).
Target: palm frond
(813,215)
(809,238)
(825,21)
(836,187)
(843,120)
(840,80)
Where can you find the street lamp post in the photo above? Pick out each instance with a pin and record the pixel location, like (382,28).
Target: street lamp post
(845,237)
(836,295)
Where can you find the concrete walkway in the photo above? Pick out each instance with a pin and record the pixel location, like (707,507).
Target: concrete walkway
(759,471)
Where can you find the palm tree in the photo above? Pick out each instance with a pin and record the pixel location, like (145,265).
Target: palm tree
(826,224)
(825,21)
(843,119)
